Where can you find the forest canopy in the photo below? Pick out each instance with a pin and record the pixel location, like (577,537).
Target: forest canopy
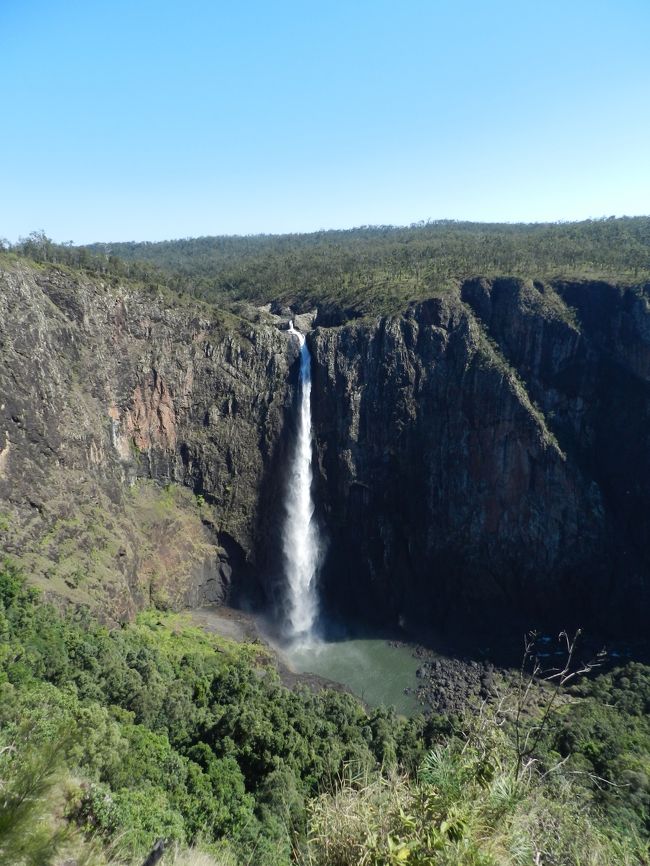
(368,270)
(112,739)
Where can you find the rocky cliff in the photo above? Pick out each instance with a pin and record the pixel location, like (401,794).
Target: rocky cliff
(483,457)
(140,438)
(486,456)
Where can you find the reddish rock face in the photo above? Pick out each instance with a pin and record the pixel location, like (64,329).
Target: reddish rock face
(150,417)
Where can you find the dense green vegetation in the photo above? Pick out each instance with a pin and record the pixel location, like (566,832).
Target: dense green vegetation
(367,270)
(606,736)
(111,739)
(175,733)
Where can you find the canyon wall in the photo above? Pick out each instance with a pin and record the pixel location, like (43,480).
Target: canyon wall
(140,441)
(486,457)
(482,458)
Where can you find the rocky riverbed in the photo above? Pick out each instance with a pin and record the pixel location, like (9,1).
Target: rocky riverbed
(448,685)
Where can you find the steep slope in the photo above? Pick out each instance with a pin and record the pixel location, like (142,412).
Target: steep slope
(112,401)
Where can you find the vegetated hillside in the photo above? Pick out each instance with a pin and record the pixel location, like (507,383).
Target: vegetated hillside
(373,270)
(110,740)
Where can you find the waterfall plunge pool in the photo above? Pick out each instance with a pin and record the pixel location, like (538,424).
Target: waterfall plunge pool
(376,670)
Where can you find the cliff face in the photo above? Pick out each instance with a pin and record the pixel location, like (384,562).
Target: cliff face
(484,456)
(112,403)
(488,456)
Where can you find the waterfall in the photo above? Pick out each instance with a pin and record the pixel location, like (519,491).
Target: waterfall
(300,537)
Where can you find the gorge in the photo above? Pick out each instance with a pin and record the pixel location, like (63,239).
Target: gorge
(224,520)
(480,458)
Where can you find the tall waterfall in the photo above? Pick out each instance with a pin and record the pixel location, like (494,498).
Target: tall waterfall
(300,538)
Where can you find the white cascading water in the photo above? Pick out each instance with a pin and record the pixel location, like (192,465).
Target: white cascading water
(300,538)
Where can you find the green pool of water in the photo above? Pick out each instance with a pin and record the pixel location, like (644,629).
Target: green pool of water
(373,669)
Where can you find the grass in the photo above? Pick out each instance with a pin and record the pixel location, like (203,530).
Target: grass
(467,808)
(175,635)
(82,555)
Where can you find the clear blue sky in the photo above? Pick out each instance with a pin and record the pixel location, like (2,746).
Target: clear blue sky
(153,119)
